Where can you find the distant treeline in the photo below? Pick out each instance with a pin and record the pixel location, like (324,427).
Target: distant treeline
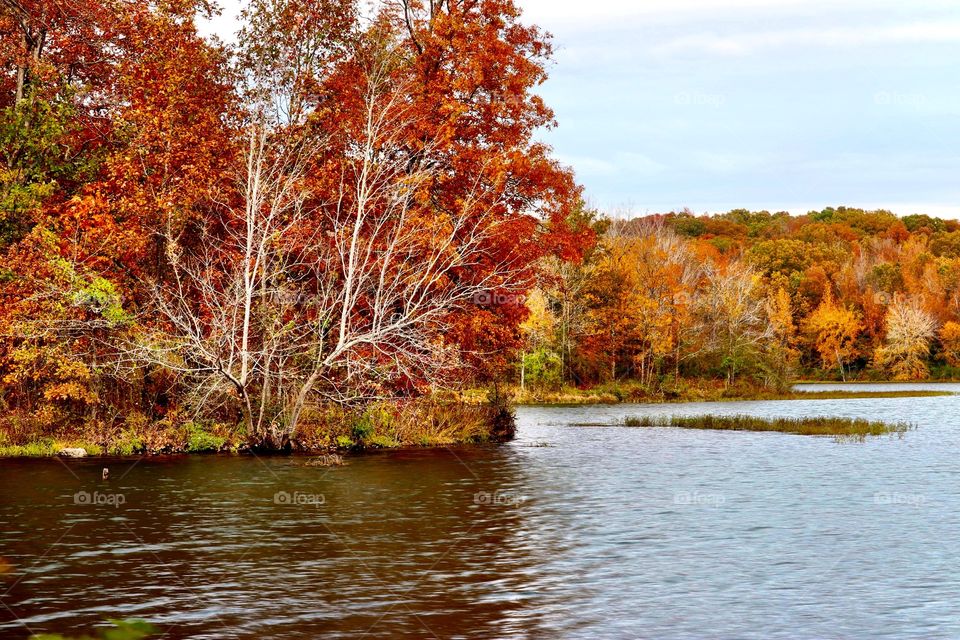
(768,296)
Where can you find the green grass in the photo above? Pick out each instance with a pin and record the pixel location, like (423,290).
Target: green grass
(44,448)
(818,426)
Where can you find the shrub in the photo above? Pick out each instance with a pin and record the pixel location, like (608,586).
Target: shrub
(200,439)
(363,428)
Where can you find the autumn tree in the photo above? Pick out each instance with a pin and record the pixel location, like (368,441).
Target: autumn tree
(113,135)
(565,281)
(910,330)
(734,317)
(614,309)
(950,341)
(781,354)
(363,247)
(832,329)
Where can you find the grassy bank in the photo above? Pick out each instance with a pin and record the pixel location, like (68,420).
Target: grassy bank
(818,426)
(412,423)
(689,391)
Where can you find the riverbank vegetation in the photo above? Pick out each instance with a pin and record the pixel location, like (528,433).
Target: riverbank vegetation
(421,422)
(814,426)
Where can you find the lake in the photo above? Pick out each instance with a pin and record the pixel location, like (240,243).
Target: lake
(567,532)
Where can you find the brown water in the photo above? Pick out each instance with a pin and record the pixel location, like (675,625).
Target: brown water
(567,532)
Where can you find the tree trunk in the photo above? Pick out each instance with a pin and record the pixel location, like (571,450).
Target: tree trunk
(843,375)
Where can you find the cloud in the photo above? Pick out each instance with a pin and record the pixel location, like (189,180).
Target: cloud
(638,164)
(850,37)
(587,166)
(550,12)
(730,163)
(620,163)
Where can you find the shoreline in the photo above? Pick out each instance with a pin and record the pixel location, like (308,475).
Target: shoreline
(628,395)
(378,435)
(322,457)
(422,423)
(93,451)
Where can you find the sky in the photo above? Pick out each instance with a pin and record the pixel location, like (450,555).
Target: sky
(788,105)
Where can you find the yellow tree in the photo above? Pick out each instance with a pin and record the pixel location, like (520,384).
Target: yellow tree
(950,340)
(904,353)
(652,293)
(833,331)
(781,349)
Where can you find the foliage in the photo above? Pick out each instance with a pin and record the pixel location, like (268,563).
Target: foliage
(542,368)
(350,207)
(35,160)
(363,428)
(782,354)
(910,331)
(950,339)
(833,330)
(657,299)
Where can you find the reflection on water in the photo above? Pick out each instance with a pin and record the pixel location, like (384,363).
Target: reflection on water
(567,532)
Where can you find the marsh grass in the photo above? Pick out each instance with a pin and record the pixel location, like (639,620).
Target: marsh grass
(856,428)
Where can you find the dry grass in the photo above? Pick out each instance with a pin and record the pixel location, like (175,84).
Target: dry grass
(414,423)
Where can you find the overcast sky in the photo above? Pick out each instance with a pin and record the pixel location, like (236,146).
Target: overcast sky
(778,105)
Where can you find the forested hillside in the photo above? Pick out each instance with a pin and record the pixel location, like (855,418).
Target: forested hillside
(763,297)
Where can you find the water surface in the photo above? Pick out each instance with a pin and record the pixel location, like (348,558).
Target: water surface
(568,532)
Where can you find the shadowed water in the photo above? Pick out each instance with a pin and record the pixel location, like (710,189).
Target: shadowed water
(570,531)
